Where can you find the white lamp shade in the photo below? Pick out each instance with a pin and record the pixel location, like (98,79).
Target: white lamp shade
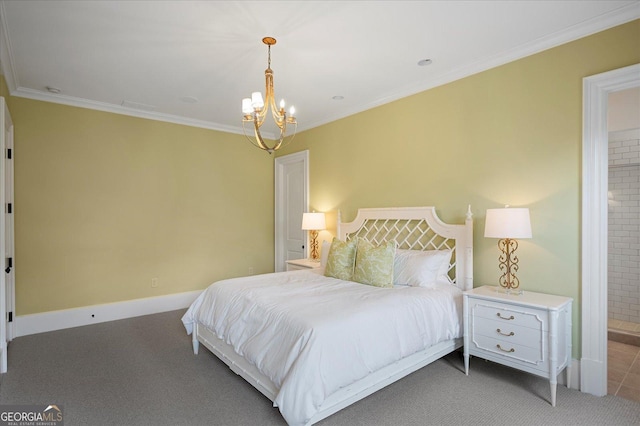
(507,223)
(246,106)
(256,100)
(313,222)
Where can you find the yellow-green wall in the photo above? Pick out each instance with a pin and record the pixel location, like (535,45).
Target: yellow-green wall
(509,135)
(106,202)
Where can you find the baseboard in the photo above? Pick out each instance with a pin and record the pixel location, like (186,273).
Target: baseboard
(575,375)
(592,380)
(86,315)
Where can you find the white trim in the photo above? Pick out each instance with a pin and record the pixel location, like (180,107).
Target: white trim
(5,120)
(595,154)
(602,22)
(9,228)
(37,95)
(86,315)
(574,367)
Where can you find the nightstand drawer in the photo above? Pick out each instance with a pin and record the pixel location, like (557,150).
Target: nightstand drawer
(507,332)
(530,355)
(510,314)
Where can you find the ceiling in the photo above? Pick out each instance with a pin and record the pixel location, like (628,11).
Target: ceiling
(192,62)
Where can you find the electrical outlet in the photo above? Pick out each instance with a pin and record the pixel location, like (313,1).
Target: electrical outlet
(154,282)
(251,270)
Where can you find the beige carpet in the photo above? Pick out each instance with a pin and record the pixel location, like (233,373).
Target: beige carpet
(142,371)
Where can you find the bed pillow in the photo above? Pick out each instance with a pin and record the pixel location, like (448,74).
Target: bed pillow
(421,268)
(374,265)
(341,259)
(324,253)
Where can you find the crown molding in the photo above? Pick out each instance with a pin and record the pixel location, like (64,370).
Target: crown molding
(23,92)
(612,19)
(617,17)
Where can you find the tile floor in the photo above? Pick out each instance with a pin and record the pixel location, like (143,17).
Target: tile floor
(624,370)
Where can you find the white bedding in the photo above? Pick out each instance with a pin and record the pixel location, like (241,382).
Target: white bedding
(312,335)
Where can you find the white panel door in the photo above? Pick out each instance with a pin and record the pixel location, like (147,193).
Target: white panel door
(6,232)
(9,224)
(291,202)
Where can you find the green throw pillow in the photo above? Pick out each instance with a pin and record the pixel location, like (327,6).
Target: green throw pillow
(342,257)
(374,265)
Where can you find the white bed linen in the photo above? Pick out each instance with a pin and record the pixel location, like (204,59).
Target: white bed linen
(312,335)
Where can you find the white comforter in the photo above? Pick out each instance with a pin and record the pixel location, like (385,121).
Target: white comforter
(312,335)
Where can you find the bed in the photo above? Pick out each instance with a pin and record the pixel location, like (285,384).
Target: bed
(314,344)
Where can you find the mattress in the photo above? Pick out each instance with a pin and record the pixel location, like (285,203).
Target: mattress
(312,335)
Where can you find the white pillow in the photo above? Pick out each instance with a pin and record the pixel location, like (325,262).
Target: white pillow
(324,253)
(421,268)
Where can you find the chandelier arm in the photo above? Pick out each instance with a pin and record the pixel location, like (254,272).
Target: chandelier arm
(259,117)
(256,132)
(283,130)
(278,116)
(257,139)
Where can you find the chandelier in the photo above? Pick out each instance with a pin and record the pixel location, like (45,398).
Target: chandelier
(255,110)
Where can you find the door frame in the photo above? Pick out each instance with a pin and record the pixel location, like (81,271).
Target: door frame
(7,294)
(595,169)
(10,223)
(280,163)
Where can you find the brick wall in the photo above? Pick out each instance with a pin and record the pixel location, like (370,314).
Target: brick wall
(624,226)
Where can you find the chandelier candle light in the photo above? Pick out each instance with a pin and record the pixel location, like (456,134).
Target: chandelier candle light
(255,109)
(313,222)
(508,224)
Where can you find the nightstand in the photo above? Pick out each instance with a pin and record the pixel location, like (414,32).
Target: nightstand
(530,332)
(296,264)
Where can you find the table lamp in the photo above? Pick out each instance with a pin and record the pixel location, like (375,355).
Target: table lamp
(508,224)
(313,222)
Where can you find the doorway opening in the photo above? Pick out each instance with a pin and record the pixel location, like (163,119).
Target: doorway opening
(623,272)
(594,299)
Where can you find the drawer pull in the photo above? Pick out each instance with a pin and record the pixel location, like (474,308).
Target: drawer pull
(504,350)
(505,318)
(505,334)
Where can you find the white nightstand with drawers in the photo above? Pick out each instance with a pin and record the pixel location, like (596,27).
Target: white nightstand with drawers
(530,332)
(296,264)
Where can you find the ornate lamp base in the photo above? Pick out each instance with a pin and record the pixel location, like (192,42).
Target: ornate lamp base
(509,283)
(315,255)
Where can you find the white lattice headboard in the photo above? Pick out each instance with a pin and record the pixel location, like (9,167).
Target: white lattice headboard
(417,228)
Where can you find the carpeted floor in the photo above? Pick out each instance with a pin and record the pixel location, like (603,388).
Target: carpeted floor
(142,371)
